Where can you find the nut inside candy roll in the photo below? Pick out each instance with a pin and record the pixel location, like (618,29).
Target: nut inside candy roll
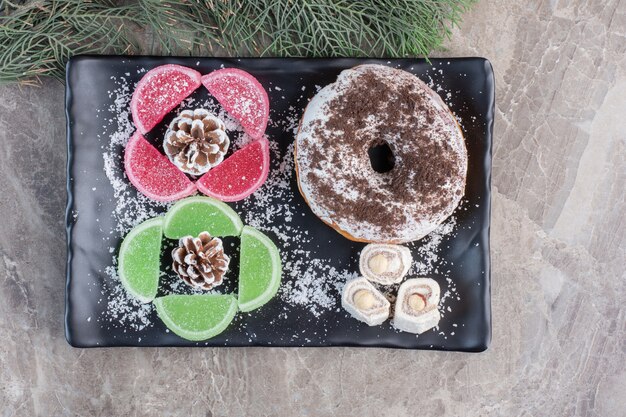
(385,264)
(416,309)
(364,302)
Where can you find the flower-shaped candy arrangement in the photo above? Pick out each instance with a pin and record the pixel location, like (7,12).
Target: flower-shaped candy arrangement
(196,142)
(198,223)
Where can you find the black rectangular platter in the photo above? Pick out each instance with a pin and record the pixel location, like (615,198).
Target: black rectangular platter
(467,86)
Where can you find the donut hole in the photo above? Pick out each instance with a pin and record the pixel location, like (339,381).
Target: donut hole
(381,157)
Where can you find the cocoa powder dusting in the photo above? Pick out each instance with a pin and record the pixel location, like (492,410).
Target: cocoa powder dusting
(367,114)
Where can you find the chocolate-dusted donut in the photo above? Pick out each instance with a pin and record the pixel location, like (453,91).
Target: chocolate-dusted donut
(417,176)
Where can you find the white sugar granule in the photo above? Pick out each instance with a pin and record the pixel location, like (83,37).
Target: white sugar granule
(428,260)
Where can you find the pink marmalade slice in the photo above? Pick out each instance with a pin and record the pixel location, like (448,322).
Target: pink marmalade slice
(242,96)
(152,173)
(239,175)
(159,91)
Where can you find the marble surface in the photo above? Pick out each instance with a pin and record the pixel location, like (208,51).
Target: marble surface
(558,248)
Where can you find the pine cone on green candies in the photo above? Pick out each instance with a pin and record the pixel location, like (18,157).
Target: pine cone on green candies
(200,261)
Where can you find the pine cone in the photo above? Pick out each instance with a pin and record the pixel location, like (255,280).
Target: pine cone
(196,141)
(201,261)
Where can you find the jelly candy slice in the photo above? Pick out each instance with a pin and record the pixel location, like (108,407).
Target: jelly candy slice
(196,317)
(194,215)
(152,173)
(259,270)
(139,260)
(240,174)
(242,96)
(159,91)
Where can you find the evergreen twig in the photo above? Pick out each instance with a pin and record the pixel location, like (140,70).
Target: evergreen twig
(37,37)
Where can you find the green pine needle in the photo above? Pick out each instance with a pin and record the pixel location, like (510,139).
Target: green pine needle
(38,37)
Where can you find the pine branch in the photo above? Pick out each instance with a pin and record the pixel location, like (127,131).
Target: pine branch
(39,36)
